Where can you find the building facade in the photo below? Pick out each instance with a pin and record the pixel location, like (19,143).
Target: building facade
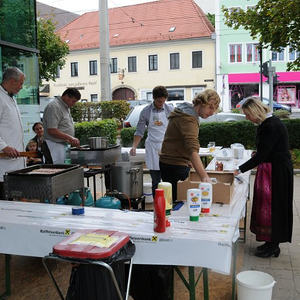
(238,64)
(147,48)
(18,47)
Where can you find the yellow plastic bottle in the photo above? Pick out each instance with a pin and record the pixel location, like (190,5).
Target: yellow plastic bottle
(167,187)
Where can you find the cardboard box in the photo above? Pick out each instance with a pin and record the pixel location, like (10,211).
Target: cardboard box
(222,190)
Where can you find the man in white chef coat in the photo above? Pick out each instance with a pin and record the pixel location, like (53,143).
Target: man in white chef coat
(11,129)
(154,117)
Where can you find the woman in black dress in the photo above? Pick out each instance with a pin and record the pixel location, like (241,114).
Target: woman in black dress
(272,209)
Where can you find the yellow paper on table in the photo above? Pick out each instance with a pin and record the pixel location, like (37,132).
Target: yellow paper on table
(99,240)
(167,187)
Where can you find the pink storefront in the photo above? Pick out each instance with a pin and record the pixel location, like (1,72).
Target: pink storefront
(286,91)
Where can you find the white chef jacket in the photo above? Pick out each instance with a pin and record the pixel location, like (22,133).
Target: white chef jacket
(11,132)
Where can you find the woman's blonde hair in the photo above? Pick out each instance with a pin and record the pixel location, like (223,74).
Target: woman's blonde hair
(31,142)
(256,108)
(207,97)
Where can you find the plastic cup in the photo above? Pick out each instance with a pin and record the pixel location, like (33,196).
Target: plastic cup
(211,146)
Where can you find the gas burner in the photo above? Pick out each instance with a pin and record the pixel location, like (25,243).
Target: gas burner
(135,203)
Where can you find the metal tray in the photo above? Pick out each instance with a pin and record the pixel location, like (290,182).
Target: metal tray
(88,148)
(25,171)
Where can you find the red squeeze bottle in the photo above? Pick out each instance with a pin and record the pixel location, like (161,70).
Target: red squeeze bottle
(159,211)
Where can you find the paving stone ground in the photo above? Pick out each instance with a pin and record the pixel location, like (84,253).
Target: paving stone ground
(30,281)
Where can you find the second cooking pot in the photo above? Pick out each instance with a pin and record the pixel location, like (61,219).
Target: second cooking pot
(127,178)
(98,142)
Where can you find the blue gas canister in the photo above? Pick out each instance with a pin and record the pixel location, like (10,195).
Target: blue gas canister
(108,202)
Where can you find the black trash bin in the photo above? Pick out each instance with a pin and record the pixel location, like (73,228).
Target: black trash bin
(94,279)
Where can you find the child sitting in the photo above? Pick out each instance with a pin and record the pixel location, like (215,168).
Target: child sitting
(32,146)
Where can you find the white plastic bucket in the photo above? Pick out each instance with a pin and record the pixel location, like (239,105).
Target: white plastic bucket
(147,190)
(254,285)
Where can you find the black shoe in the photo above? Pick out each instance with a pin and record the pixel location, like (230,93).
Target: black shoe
(263,247)
(274,251)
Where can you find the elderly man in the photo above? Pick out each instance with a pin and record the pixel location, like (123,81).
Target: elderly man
(11,129)
(58,124)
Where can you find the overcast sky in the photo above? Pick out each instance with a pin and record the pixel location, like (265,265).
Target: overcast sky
(80,7)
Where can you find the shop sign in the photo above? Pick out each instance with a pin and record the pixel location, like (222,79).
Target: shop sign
(286,94)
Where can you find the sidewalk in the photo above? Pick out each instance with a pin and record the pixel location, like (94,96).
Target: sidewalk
(286,268)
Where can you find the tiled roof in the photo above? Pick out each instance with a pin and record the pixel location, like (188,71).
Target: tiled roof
(141,23)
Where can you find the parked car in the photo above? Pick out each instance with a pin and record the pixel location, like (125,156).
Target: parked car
(133,117)
(224,117)
(134,103)
(276,106)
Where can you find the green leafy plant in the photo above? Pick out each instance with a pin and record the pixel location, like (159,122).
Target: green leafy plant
(127,135)
(88,111)
(274,24)
(281,114)
(53,50)
(227,133)
(115,109)
(236,111)
(105,128)
(295,153)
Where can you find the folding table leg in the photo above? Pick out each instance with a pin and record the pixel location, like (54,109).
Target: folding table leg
(192,283)
(7,277)
(205,283)
(234,253)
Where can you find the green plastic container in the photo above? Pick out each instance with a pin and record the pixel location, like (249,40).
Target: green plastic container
(108,202)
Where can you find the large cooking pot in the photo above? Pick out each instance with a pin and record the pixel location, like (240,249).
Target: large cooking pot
(127,178)
(98,142)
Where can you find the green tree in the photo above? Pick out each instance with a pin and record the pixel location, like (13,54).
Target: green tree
(276,23)
(53,50)
(211,18)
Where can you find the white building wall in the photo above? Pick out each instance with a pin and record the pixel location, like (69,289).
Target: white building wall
(186,77)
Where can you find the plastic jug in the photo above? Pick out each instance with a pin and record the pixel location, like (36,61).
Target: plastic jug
(237,150)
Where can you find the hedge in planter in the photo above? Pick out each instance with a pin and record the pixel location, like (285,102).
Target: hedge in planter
(115,109)
(88,111)
(106,128)
(227,133)
(127,135)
